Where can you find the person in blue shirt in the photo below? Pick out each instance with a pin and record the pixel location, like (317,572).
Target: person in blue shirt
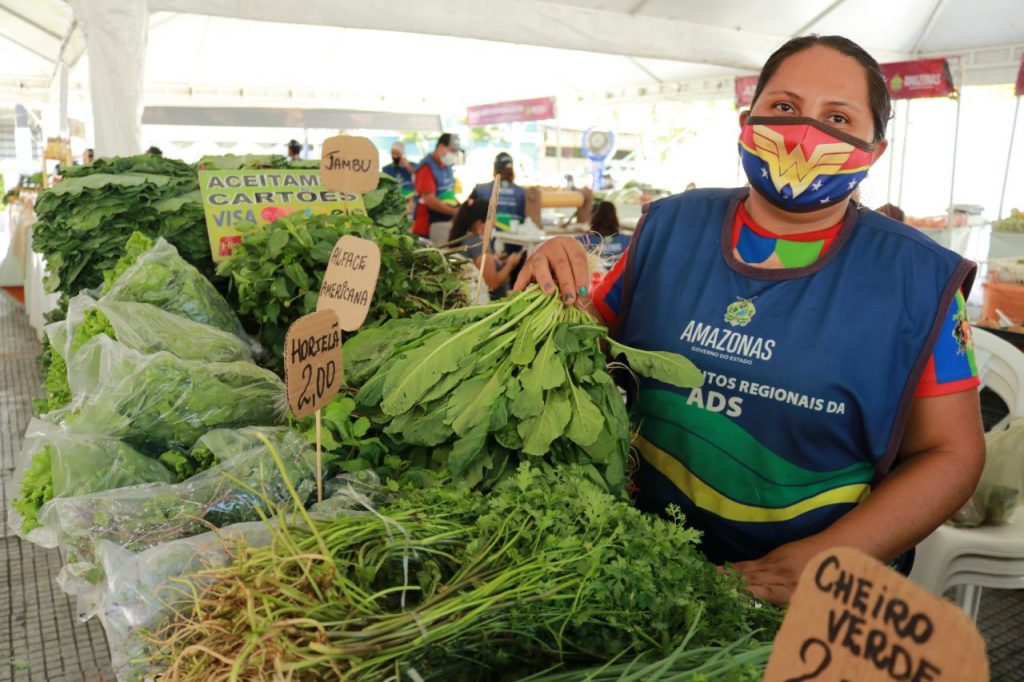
(604,226)
(511,197)
(401,169)
(840,404)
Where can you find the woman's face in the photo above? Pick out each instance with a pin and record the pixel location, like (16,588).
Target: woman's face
(822,84)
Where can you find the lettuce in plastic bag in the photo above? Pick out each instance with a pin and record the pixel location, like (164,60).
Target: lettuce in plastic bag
(63,464)
(159,401)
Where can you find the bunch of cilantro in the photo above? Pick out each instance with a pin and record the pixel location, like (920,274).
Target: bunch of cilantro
(84,220)
(277,271)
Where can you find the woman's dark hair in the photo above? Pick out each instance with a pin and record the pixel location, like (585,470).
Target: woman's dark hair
(605,220)
(878,92)
(470,212)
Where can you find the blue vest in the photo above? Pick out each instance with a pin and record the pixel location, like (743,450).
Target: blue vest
(809,372)
(511,202)
(404,177)
(445,180)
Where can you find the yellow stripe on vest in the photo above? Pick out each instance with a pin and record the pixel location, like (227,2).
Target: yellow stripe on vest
(707,498)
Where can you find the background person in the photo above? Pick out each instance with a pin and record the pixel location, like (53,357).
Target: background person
(830,417)
(511,197)
(604,225)
(436,204)
(469,223)
(401,169)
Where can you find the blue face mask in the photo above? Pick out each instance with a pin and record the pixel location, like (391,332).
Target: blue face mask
(801,164)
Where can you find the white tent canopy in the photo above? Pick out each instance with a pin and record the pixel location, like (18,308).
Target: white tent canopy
(428,56)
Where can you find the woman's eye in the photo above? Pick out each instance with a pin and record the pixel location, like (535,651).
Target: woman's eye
(784,108)
(838,119)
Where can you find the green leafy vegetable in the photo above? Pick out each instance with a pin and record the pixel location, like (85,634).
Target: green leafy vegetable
(473,392)
(547,571)
(277,271)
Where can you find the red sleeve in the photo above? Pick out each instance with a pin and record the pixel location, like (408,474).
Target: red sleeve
(607,294)
(425,183)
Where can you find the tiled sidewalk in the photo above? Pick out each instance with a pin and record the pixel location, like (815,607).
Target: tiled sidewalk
(40,636)
(47,643)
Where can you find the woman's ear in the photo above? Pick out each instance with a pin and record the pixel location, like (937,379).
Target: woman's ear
(883,144)
(744,115)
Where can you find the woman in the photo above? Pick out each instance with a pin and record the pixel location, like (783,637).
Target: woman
(605,222)
(470,221)
(826,336)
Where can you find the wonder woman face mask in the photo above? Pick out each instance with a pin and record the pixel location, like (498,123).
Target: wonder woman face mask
(802,164)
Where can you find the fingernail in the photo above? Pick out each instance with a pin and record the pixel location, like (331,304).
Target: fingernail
(568,297)
(583,291)
(548,288)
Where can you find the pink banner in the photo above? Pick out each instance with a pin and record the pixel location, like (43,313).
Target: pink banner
(745,86)
(538,109)
(1019,90)
(918,78)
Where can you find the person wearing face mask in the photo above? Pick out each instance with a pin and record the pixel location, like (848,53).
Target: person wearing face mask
(401,169)
(839,407)
(436,204)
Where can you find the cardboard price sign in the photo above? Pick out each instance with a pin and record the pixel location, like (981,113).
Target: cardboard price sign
(852,619)
(349,164)
(312,362)
(350,281)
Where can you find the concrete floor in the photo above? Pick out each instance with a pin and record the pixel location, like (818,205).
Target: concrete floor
(41,638)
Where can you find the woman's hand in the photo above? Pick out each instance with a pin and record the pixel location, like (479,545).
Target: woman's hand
(774,576)
(560,263)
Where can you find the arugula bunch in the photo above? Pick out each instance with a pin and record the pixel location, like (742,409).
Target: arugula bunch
(83,220)
(475,391)
(277,271)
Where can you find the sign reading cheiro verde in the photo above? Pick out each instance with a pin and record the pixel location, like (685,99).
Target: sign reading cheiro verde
(852,619)
(350,281)
(312,362)
(918,78)
(231,197)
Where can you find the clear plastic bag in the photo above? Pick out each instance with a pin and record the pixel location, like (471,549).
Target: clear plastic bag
(149,329)
(68,464)
(242,487)
(159,401)
(999,490)
(163,278)
(139,586)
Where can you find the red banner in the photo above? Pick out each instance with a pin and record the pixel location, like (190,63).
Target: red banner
(1019,90)
(745,86)
(538,109)
(918,78)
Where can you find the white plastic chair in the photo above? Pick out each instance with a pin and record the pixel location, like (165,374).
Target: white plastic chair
(989,556)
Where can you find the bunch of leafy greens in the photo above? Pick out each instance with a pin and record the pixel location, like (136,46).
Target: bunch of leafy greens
(243,485)
(68,465)
(475,391)
(153,272)
(157,402)
(83,220)
(452,584)
(277,271)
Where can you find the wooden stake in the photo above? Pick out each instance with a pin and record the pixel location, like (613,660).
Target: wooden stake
(319,460)
(492,213)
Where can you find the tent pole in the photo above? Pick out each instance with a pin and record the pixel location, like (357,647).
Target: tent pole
(892,158)
(903,152)
(1009,155)
(956,139)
